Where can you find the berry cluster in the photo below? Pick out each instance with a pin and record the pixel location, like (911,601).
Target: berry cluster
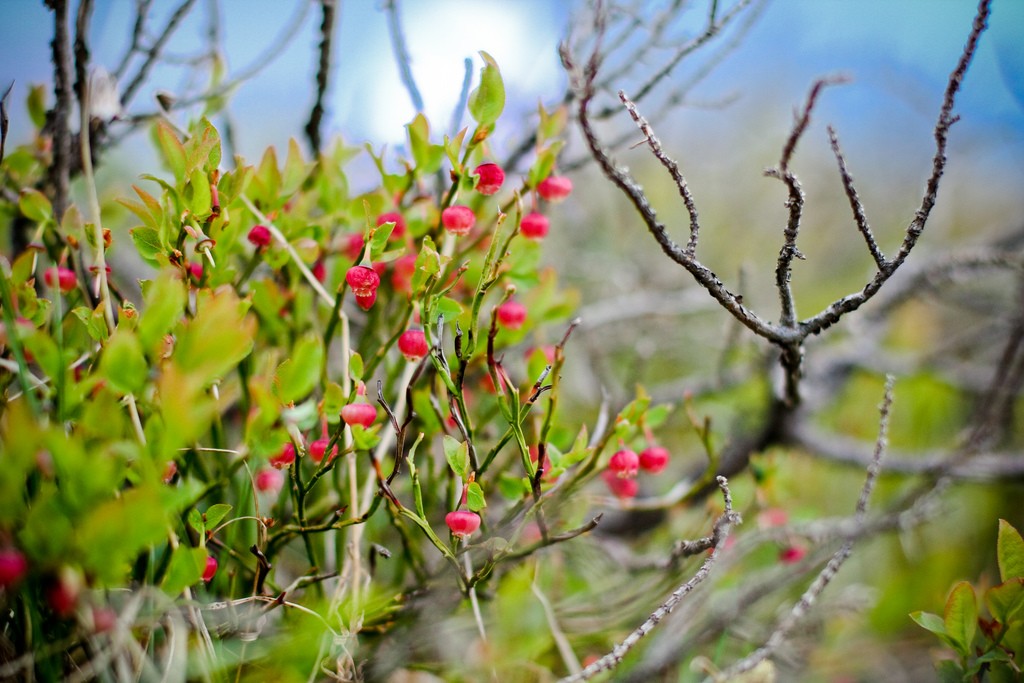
(625,465)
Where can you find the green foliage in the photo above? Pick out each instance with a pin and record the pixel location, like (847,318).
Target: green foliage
(986,647)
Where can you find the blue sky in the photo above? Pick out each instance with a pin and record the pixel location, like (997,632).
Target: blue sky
(899,54)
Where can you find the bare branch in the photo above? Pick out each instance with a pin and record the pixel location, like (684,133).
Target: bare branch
(795,204)
(855,204)
(807,600)
(673,169)
(153,53)
(316,115)
(723,525)
(58,117)
(402,58)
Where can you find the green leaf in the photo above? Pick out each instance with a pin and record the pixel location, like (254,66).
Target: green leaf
(930,622)
(36,105)
(334,400)
(1010,552)
(216,338)
(114,532)
(545,161)
(449,308)
(355,367)
(475,497)
(961,618)
(266,183)
(185,569)
(1006,601)
(147,243)
(295,170)
(215,513)
(202,199)
(171,149)
(195,520)
(457,454)
(428,264)
(427,156)
(453,149)
(552,123)
(165,303)
(94,322)
(123,363)
(35,206)
(364,439)
(487,100)
(299,375)
(379,239)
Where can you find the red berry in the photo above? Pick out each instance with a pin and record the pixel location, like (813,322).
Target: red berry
(413,344)
(490,178)
(359,414)
(462,522)
(458,219)
(319,271)
(269,480)
(534,226)
(792,554)
(363,280)
(170,469)
(62,594)
(511,315)
(211,568)
(622,488)
(653,459)
(319,447)
(62,278)
(195,269)
(554,188)
(397,219)
(366,301)
(13,567)
(285,458)
(624,463)
(259,236)
(354,245)
(404,270)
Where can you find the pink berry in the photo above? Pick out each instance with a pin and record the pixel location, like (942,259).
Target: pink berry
(354,245)
(653,459)
(319,271)
(170,470)
(62,594)
(62,278)
(269,480)
(462,523)
(13,567)
(458,219)
(511,315)
(397,219)
(285,458)
(490,178)
(366,301)
(319,447)
(624,463)
(364,282)
(554,188)
(792,554)
(621,488)
(772,517)
(195,269)
(403,272)
(534,226)
(211,568)
(413,344)
(359,414)
(259,236)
